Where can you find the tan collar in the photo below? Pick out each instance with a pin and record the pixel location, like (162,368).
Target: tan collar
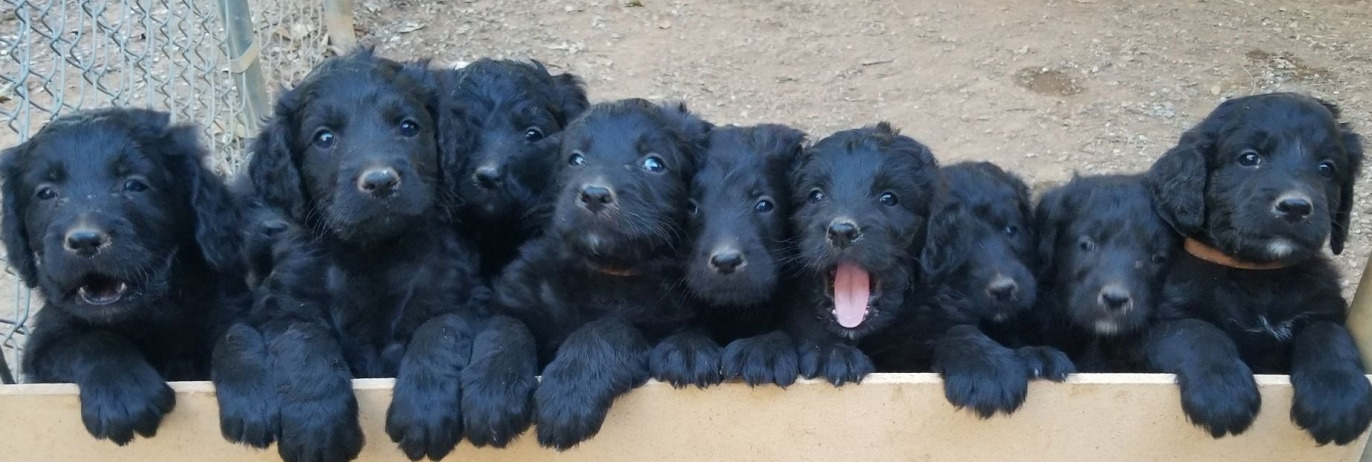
(612,270)
(1204,252)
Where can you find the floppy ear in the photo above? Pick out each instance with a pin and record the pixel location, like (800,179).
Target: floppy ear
(779,145)
(570,94)
(272,169)
(217,216)
(17,249)
(1049,215)
(1352,145)
(943,250)
(1177,181)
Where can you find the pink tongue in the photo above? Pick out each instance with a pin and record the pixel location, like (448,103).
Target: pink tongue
(852,288)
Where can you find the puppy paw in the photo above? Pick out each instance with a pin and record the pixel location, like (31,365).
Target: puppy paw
(568,413)
(838,363)
(320,430)
(1045,363)
(1333,405)
(761,360)
(124,403)
(1223,398)
(686,359)
(425,418)
(987,383)
(496,402)
(248,410)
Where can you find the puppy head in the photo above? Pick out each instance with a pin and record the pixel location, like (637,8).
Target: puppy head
(862,198)
(739,203)
(1264,178)
(513,110)
(1103,251)
(99,205)
(980,246)
(622,180)
(352,150)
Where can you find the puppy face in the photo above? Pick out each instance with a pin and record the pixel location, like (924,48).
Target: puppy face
(622,180)
(512,109)
(351,150)
(98,204)
(863,197)
(1104,251)
(739,203)
(980,245)
(1263,178)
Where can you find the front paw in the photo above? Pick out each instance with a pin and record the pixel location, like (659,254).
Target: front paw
(1333,405)
(987,383)
(495,401)
(248,409)
(320,430)
(1222,399)
(838,363)
(763,359)
(686,359)
(569,413)
(128,402)
(1045,363)
(425,418)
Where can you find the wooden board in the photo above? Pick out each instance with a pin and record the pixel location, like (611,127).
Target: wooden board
(890,417)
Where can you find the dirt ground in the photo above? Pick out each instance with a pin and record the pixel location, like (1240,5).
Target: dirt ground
(1043,88)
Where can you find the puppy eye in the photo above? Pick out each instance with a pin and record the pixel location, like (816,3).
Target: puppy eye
(576,160)
(889,199)
(45,193)
(764,206)
(323,139)
(134,185)
(409,128)
(692,208)
(1327,169)
(1011,230)
(533,134)
(1249,158)
(653,164)
(816,195)
(1086,244)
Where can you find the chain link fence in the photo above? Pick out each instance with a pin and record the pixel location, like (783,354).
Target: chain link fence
(214,63)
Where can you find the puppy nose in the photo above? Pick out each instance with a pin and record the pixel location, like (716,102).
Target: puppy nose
(843,233)
(487,177)
(595,198)
(1115,298)
(726,262)
(378,182)
(1002,289)
(1294,208)
(85,242)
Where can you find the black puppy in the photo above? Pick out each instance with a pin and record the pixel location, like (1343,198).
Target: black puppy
(132,242)
(1256,188)
(977,261)
(509,109)
(603,284)
(365,281)
(736,249)
(1103,256)
(863,198)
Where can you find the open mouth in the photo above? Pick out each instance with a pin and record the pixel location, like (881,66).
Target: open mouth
(101,290)
(853,290)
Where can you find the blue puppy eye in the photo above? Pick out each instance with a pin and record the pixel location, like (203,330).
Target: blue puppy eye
(1011,230)
(816,196)
(45,193)
(889,199)
(533,134)
(323,139)
(409,128)
(653,164)
(764,206)
(576,160)
(1249,158)
(1327,169)
(135,186)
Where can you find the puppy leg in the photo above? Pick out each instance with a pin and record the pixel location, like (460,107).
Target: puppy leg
(767,358)
(598,362)
(499,383)
(248,411)
(1218,392)
(1043,362)
(1333,400)
(689,357)
(425,416)
(979,373)
(121,394)
(314,386)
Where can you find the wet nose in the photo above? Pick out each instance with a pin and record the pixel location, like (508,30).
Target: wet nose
(487,177)
(1294,208)
(1115,297)
(726,262)
(1003,289)
(378,181)
(595,198)
(85,242)
(842,233)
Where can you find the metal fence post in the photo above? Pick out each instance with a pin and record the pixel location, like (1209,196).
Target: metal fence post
(338,22)
(244,49)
